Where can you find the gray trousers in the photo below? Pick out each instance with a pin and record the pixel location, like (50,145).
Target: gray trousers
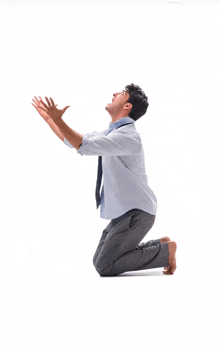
(119,250)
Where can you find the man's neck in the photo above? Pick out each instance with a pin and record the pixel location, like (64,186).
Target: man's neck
(117,118)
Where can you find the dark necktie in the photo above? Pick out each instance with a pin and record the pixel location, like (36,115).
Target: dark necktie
(99,174)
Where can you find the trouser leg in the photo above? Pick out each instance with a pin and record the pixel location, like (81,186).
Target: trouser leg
(119,249)
(149,243)
(100,245)
(104,235)
(105,232)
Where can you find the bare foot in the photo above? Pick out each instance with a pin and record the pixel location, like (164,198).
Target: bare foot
(172,246)
(165,240)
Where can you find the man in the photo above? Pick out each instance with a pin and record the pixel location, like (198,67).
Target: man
(125,198)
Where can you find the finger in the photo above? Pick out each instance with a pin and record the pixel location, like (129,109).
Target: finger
(36,100)
(41,100)
(36,107)
(52,102)
(48,102)
(36,103)
(43,109)
(66,107)
(44,104)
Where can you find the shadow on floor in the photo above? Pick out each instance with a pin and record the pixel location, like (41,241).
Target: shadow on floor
(139,274)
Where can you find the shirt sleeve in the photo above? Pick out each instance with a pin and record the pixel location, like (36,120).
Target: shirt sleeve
(86,135)
(116,143)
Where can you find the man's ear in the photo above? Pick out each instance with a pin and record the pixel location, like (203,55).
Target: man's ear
(128,105)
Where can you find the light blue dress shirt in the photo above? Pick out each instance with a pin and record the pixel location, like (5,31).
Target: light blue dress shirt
(125,183)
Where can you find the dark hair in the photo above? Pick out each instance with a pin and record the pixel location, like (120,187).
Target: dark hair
(139,101)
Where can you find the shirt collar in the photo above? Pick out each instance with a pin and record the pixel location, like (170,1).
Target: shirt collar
(118,123)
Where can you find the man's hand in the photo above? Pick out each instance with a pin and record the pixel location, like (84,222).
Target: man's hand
(51,110)
(37,104)
(53,117)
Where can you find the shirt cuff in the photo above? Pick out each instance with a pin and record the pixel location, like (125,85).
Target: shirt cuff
(84,142)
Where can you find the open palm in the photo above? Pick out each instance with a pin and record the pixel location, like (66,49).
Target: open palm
(51,110)
(37,104)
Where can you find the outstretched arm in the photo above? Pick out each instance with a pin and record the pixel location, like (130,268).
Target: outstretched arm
(55,128)
(74,138)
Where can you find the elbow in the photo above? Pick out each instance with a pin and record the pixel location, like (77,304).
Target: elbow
(78,146)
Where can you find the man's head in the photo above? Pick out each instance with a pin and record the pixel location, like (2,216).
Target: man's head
(138,99)
(130,102)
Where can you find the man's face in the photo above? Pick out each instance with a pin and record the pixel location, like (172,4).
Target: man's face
(118,102)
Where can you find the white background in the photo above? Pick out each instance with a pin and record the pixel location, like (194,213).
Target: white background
(80,53)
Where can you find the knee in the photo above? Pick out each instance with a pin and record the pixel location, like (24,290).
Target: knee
(101,268)
(94,260)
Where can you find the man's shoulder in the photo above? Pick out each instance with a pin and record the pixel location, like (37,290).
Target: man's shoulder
(95,133)
(128,129)
(129,135)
